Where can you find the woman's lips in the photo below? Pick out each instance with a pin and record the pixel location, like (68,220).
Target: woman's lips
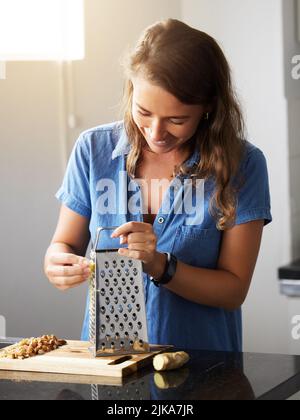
(161,142)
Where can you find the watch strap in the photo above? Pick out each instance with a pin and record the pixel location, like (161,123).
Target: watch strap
(169,272)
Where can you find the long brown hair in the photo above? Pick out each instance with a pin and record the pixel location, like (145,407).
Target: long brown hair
(191,66)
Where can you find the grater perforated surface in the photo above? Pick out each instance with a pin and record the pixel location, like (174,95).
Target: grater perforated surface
(118,324)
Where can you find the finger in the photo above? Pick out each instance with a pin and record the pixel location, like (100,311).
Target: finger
(123,239)
(64,258)
(141,247)
(137,255)
(67,271)
(68,282)
(65,288)
(132,227)
(144,237)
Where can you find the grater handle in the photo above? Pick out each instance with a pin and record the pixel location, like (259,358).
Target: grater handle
(99,231)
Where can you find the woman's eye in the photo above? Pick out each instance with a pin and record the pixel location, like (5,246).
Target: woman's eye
(148,115)
(177,123)
(143,115)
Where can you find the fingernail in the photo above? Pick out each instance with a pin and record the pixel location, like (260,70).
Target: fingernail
(86,271)
(113,235)
(122,240)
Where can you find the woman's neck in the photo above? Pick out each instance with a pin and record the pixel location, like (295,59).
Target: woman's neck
(173,158)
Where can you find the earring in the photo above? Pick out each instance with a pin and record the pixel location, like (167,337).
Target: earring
(206,118)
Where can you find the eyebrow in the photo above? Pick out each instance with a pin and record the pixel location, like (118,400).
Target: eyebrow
(180,117)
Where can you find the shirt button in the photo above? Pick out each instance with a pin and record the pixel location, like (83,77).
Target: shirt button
(161,220)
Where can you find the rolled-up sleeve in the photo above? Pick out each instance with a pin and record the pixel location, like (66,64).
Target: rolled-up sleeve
(74,192)
(254,196)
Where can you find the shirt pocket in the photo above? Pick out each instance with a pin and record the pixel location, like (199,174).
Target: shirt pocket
(196,246)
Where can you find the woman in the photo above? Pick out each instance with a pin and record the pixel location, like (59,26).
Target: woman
(181,122)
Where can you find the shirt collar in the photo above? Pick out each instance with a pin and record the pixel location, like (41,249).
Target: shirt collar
(123,148)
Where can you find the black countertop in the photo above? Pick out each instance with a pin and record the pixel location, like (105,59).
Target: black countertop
(208,376)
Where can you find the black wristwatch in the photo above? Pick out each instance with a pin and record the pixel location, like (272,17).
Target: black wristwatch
(169,273)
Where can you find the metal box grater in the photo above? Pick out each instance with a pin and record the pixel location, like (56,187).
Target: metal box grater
(118,323)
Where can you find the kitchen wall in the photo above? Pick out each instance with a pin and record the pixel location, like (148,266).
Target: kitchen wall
(31,158)
(30,169)
(251,33)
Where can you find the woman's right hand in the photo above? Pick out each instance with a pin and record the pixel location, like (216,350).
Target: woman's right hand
(66,271)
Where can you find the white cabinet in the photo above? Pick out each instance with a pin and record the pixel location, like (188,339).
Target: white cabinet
(2,326)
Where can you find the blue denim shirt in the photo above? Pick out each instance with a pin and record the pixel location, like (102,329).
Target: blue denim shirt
(101,153)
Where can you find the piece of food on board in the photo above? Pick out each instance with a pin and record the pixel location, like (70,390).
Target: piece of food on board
(31,347)
(170,361)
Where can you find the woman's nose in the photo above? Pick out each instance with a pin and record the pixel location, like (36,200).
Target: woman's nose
(157,131)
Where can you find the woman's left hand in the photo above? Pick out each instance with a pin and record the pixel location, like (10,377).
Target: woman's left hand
(142,243)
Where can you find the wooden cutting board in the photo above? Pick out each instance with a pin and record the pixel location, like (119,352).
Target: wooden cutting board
(76,359)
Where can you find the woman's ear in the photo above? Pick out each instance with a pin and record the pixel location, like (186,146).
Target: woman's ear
(210,107)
